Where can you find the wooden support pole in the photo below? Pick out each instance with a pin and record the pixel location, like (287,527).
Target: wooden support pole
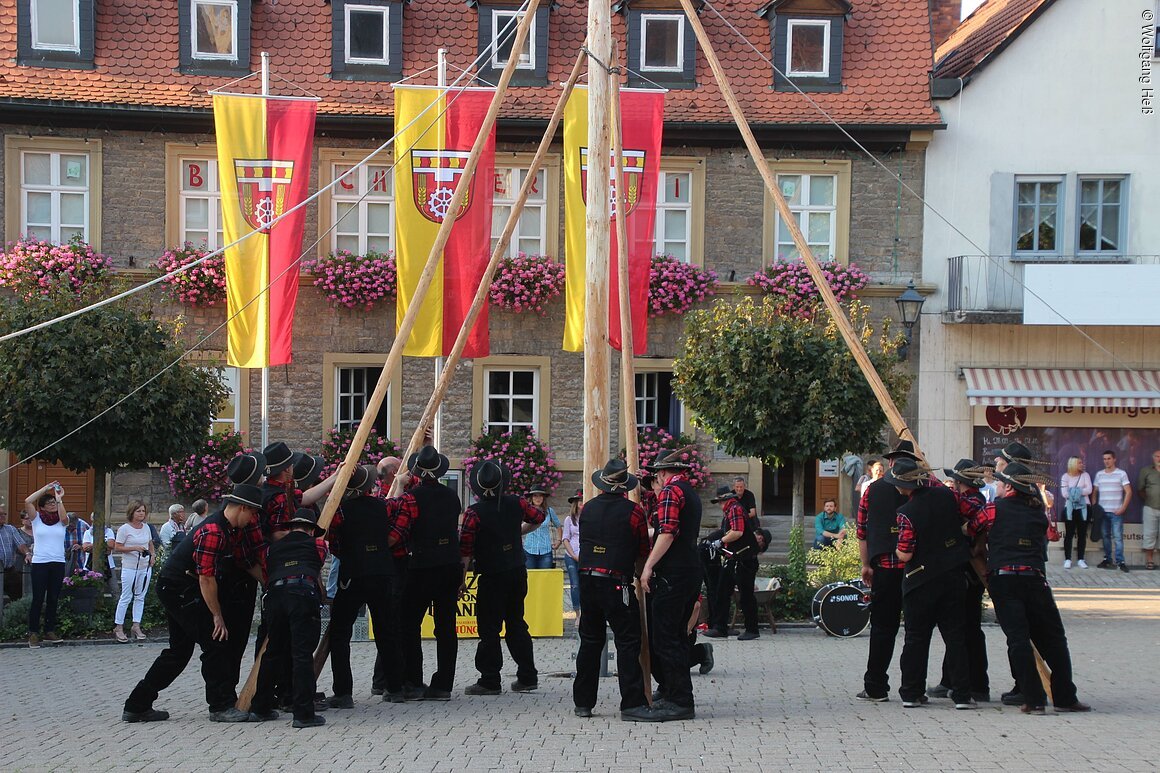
(597,354)
(445,378)
(840,319)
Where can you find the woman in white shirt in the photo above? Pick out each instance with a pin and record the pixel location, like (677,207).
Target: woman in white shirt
(49,522)
(135,544)
(1075,490)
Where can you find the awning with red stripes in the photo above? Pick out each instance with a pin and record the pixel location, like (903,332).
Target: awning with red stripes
(1061,387)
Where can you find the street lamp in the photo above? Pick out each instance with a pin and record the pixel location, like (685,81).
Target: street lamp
(909,307)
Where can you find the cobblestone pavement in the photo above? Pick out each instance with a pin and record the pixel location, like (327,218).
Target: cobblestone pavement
(782,702)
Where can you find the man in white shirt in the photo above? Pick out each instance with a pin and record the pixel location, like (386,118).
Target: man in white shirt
(87,547)
(1114,492)
(174,526)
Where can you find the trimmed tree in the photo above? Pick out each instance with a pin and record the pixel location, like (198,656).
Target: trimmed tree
(780,387)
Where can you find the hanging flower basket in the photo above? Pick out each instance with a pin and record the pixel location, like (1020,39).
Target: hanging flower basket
(652,441)
(527,283)
(203,284)
(531,461)
(675,286)
(792,285)
(202,475)
(338,441)
(33,268)
(350,280)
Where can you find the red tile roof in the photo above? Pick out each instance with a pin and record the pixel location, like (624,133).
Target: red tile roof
(886,61)
(984,34)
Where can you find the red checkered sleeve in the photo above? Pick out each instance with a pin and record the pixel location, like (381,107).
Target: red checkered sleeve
(402,511)
(467,532)
(638,522)
(734,516)
(250,549)
(982,521)
(209,545)
(532,514)
(906,538)
(863,515)
(672,499)
(320,546)
(970,503)
(334,533)
(277,512)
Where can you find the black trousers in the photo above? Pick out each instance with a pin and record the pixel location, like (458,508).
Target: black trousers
(190,624)
(604,600)
(1074,529)
(740,575)
(936,603)
(974,639)
(696,651)
(433,588)
(885,616)
(1027,613)
(379,680)
(712,572)
(499,603)
(293,624)
(46,582)
(375,592)
(14,579)
(238,594)
(670,605)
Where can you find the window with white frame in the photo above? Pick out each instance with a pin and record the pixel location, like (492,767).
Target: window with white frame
(812,200)
(54,195)
(229,415)
(531,232)
(1101,214)
(503,36)
(511,399)
(214,28)
(362,209)
(656,405)
(200,210)
(56,25)
(807,47)
(662,42)
(353,386)
(674,221)
(368,34)
(1038,203)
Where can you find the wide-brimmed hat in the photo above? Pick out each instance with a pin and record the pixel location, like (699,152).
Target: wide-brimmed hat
(668,461)
(967,472)
(906,473)
(307,516)
(247,468)
(615,478)
(489,478)
(362,479)
(1017,452)
(904,450)
(308,470)
(536,490)
(245,494)
(723,493)
(428,463)
(1021,478)
(279,457)
(577,497)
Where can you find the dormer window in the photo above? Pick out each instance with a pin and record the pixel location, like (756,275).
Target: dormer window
(497,35)
(807,49)
(807,37)
(661,47)
(367,39)
(503,37)
(56,25)
(55,33)
(215,36)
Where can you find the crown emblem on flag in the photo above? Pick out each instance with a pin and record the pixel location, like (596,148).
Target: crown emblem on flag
(633,161)
(434,175)
(263,186)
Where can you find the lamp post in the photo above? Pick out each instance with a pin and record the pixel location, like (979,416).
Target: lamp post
(909,307)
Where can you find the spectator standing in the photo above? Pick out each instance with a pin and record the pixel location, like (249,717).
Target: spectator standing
(874,471)
(1075,489)
(73,540)
(174,526)
(13,554)
(1113,492)
(134,542)
(200,510)
(540,543)
(49,524)
(829,526)
(745,498)
(110,544)
(1148,484)
(570,539)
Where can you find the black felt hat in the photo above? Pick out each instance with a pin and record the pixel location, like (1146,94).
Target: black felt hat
(906,473)
(577,497)
(1017,452)
(247,468)
(723,493)
(615,478)
(669,461)
(489,478)
(904,450)
(279,457)
(308,470)
(967,472)
(245,494)
(428,463)
(1021,478)
(362,479)
(307,516)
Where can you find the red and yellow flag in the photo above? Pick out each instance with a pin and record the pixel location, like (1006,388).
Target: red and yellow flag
(430,156)
(642,117)
(264,148)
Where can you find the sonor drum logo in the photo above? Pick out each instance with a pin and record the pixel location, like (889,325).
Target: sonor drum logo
(846,597)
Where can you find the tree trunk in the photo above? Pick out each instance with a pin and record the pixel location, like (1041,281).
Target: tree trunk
(799,495)
(98,561)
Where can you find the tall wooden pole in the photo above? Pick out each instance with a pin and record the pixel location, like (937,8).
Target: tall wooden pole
(597,356)
(840,318)
(497,254)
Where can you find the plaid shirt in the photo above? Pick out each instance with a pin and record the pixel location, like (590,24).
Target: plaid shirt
(212,543)
(72,536)
(669,505)
(402,511)
(470,525)
(884,560)
(10,541)
(278,509)
(638,522)
(970,503)
(907,541)
(734,519)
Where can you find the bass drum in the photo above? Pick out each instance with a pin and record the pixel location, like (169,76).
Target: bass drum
(842,608)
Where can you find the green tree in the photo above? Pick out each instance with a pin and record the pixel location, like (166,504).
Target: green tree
(56,380)
(780,388)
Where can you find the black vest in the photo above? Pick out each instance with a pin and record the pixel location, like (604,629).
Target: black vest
(435,532)
(295,555)
(363,534)
(882,503)
(498,543)
(940,546)
(1018,536)
(744,546)
(179,565)
(682,554)
(606,537)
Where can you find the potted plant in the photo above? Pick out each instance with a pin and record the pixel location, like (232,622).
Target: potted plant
(34,268)
(350,280)
(83,588)
(526,283)
(531,461)
(201,285)
(675,286)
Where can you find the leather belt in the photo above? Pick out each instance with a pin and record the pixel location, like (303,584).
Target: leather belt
(289,582)
(615,577)
(1019,573)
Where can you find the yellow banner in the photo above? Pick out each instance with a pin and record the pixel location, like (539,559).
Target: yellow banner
(575,240)
(241,133)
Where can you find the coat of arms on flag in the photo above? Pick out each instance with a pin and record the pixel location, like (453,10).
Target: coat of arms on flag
(633,161)
(434,175)
(263,185)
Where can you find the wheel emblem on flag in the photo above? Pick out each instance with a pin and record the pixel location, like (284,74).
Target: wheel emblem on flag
(263,185)
(434,175)
(633,161)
